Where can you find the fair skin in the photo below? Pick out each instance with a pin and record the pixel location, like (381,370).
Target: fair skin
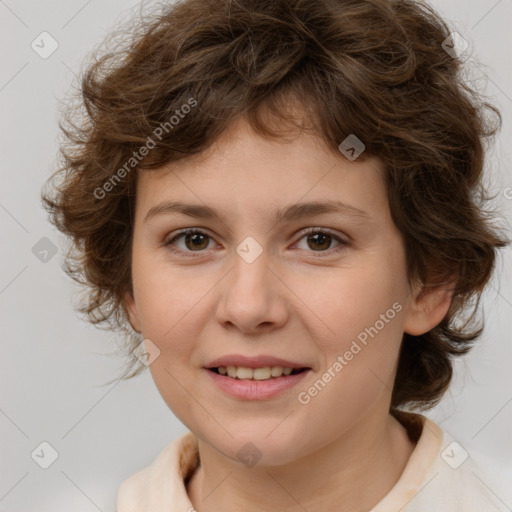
(303,298)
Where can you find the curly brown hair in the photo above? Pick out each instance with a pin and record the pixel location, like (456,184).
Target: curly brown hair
(374,68)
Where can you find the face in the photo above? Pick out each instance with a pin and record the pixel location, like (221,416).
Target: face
(252,283)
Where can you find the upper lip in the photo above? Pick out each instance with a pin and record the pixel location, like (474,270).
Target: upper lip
(253,361)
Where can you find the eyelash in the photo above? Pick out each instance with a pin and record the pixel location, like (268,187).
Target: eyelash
(309,231)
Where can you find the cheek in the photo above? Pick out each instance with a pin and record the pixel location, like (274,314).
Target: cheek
(168,305)
(361,310)
(359,362)
(167,297)
(351,302)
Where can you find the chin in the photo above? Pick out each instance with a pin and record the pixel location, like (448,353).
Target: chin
(256,446)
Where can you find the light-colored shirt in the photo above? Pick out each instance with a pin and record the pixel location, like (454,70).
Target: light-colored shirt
(440,476)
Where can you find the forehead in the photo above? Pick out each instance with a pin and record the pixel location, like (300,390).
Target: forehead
(243,172)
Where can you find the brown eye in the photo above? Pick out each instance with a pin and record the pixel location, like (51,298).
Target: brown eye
(320,241)
(194,241)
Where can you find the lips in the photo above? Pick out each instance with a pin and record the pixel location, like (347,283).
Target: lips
(256,390)
(259,361)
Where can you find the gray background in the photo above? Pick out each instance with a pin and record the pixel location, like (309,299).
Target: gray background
(54,365)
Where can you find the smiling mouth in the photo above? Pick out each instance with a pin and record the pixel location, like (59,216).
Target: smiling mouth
(264,373)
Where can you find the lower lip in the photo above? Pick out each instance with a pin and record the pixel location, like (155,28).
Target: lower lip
(256,389)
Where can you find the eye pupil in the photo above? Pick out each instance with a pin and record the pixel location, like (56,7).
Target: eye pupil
(323,237)
(195,237)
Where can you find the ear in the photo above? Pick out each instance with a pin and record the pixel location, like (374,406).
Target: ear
(131,310)
(428,307)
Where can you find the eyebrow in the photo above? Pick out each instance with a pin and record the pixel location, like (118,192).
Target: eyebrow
(289,213)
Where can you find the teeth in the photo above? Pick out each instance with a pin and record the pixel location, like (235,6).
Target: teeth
(242,372)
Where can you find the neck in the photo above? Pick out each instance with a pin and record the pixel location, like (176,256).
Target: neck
(354,472)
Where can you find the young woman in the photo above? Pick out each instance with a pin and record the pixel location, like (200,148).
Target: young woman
(278,201)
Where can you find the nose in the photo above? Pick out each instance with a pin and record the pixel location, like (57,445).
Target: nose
(253,296)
